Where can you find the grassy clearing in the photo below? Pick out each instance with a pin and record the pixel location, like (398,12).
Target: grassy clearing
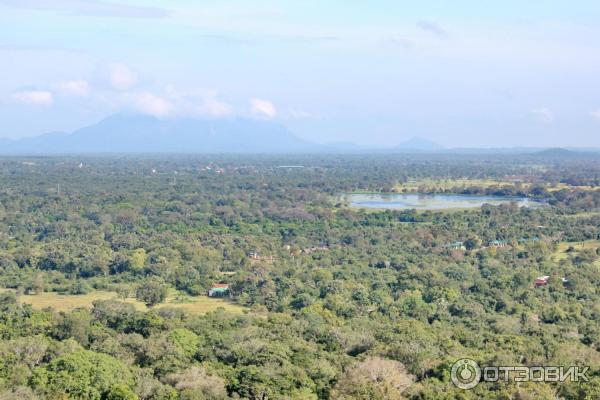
(562,186)
(561,250)
(438,185)
(447,184)
(67,302)
(587,214)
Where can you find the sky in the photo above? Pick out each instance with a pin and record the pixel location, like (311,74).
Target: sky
(460,73)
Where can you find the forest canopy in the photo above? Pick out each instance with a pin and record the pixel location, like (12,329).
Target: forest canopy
(338,302)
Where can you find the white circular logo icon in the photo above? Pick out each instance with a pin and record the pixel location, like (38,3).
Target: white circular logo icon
(465,373)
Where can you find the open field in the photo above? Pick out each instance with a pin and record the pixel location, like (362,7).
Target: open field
(431,185)
(561,250)
(585,214)
(67,302)
(447,184)
(562,186)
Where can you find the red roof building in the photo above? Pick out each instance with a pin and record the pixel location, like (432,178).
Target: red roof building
(220,286)
(218,289)
(541,281)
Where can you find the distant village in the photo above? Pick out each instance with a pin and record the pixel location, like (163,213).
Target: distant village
(499,244)
(489,244)
(223,290)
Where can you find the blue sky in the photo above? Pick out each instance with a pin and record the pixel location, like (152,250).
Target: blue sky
(461,73)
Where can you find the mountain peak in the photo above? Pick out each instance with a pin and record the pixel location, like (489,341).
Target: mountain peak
(417,143)
(133,133)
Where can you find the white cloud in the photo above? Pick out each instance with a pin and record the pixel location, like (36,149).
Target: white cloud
(35,97)
(148,103)
(432,27)
(298,114)
(596,114)
(543,114)
(198,102)
(122,77)
(79,88)
(97,8)
(216,108)
(263,108)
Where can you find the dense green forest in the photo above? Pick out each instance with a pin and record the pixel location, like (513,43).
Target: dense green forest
(338,302)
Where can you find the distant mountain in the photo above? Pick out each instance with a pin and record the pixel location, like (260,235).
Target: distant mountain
(557,152)
(418,144)
(492,150)
(144,134)
(348,147)
(551,153)
(123,133)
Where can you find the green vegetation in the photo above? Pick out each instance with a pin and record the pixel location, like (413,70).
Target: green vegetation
(586,251)
(106,280)
(69,302)
(151,292)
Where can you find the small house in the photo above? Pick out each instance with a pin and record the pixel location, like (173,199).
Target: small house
(256,256)
(529,240)
(541,281)
(498,243)
(310,250)
(455,246)
(218,290)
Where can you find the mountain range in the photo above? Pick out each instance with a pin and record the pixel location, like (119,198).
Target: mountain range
(123,133)
(143,134)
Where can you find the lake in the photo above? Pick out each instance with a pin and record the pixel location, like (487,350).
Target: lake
(399,201)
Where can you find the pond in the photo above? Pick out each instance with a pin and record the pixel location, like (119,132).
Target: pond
(419,201)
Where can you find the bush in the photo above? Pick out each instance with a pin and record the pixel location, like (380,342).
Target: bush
(151,292)
(83,375)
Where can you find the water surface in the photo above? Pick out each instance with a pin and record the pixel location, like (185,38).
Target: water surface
(398,201)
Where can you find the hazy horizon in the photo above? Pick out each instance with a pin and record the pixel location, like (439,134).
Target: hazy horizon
(464,74)
(417,144)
